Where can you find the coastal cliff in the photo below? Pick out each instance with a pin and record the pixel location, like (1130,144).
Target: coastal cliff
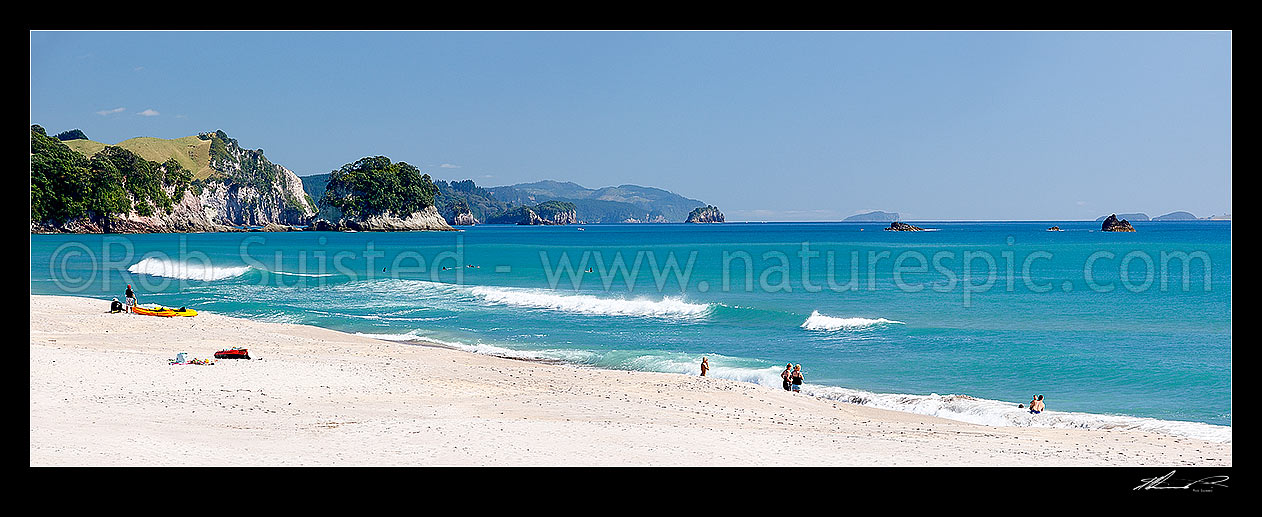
(546,213)
(705,214)
(426,219)
(1112,224)
(465,218)
(207,183)
(250,190)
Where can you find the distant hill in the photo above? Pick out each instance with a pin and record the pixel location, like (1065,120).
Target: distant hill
(875,216)
(624,203)
(1129,217)
(315,186)
(604,205)
(1176,216)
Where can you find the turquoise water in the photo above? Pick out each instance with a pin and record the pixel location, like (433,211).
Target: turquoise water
(964,321)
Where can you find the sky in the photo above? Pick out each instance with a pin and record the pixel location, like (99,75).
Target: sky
(766,125)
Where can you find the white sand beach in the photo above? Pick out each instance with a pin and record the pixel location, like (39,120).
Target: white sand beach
(103,394)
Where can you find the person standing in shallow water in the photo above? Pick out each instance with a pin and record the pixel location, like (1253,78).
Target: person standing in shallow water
(705,366)
(797,378)
(787,377)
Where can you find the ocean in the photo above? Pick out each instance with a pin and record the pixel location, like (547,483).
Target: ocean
(963,321)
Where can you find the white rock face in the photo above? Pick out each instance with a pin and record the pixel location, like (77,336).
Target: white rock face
(427,219)
(464,219)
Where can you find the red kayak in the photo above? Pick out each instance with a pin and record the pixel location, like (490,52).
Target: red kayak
(234,353)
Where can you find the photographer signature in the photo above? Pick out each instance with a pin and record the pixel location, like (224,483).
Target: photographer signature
(1156,483)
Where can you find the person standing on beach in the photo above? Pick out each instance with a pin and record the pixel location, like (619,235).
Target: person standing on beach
(797,378)
(131,298)
(705,366)
(787,377)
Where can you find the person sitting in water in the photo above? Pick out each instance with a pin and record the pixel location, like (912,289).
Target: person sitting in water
(1036,405)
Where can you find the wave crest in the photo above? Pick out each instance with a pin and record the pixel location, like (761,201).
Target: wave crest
(185,270)
(818,321)
(587,304)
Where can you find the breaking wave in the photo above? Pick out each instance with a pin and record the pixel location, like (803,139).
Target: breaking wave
(186,270)
(819,321)
(674,308)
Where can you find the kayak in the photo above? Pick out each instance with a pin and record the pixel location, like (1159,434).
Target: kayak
(163,311)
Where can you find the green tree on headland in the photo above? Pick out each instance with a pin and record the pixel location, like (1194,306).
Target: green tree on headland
(375,186)
(66,185)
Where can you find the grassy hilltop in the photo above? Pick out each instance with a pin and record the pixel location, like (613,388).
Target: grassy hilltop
(190,152)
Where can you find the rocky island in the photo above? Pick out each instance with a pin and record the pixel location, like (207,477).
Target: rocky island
(1112,224)
(375,194)
(899,226)
(705,214)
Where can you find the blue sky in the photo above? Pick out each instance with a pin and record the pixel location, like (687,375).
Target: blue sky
(775,126)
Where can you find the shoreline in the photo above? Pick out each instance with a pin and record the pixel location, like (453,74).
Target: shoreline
(1011,417)
(102,393)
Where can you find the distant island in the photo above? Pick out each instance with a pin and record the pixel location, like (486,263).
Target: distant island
(1112,224)
(897,226)
(1138,216)
(1172,216)
(875,216)
(705,214)
(1176,216)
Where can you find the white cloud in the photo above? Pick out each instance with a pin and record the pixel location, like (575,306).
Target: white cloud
(111,112)
(449,166)
(148,113)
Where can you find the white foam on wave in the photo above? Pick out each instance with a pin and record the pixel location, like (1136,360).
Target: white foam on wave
(309,275)
(999,413)
(818,321)
(588,304)
(186,270)
(566,356)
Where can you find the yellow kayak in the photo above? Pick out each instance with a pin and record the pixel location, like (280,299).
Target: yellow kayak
(163,311)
